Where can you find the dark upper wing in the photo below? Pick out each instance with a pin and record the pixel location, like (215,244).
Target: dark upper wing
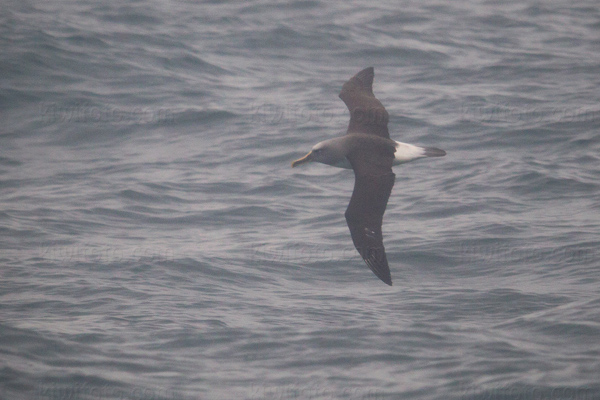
(367,114)
(364,215)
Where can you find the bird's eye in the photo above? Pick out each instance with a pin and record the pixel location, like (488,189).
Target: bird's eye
(316,151)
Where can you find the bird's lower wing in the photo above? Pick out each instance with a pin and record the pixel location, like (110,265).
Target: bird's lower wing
(364,217)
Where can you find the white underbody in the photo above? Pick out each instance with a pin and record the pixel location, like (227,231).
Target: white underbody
(404,153)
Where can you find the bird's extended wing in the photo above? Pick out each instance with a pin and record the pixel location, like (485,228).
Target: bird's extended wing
(367,114)
(372,187)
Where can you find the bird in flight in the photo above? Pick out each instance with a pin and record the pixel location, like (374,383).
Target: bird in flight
(368,150)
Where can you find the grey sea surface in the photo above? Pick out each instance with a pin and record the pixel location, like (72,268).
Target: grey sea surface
(156,244)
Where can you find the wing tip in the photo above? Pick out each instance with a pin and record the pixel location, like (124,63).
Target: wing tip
(387,282)
(385,279)
(369,71)
(366,77)
(362,81)
(380,268)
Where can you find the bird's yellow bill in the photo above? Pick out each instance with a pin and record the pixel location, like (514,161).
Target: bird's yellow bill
(302,160)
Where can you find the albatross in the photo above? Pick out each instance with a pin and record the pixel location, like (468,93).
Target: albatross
(368,150)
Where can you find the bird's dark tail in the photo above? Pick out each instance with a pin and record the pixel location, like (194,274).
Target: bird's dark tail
(433,152)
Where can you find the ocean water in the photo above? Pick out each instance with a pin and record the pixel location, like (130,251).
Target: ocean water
(156,244)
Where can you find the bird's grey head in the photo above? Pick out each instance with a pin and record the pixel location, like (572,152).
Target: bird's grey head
(330,152)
